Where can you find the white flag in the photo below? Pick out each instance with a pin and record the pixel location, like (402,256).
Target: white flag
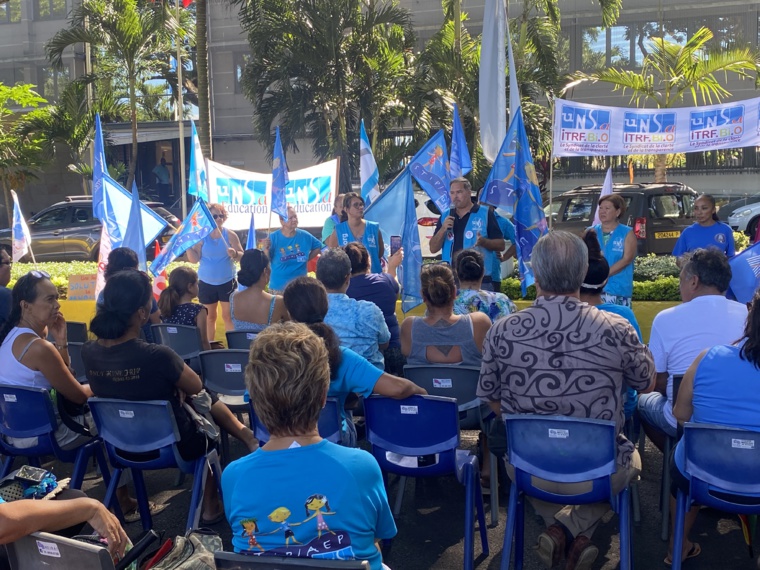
(492,84)
(606,191)
(21,238)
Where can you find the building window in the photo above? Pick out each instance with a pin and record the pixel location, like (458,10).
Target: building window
(11,75)
(620,46)
(49,9)
(51,82)
(241,60)
(594,55)
(10,12)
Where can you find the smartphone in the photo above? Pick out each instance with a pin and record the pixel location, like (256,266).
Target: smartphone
(395,244)
(30,474)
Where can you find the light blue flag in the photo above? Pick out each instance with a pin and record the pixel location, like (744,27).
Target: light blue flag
(133,236)
(499,189)
(117,206)
(279,179)
(367,168)
(387,210)
(460,163)
(21,239)
(430,169)
(529,219)
(99,170)
(251,242)
(198,224)
(745,274)
(197,184)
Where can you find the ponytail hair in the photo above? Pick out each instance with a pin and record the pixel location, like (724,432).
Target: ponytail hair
(598,268)
(125,292)
(180,279)
(750,350)
(25,289)
(306,301)
(252,266)
(469,265)
(438,286)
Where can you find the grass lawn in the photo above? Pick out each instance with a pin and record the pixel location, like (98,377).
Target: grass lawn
(645,311)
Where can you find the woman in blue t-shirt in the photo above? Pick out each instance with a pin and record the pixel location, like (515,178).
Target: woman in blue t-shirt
(707,231)
(353,227)
(619,249)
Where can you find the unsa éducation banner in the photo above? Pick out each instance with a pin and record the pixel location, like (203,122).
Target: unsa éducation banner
(592,130)
(310,190)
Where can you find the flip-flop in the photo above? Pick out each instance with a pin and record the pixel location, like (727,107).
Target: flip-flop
(694,551)
(134,514)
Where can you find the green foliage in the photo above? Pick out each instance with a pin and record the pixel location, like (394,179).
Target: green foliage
(741,241)
(511,288)
(663,289)
(652,267)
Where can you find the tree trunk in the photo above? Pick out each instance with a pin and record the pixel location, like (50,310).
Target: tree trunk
(133,117)
(661,168)
(8,208)
(201,42)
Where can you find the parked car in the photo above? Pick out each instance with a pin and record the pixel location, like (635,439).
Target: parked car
(658,213)
(745,218)
(68,231)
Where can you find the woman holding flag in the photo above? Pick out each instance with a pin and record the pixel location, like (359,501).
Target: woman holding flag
(353,227)
(217,254)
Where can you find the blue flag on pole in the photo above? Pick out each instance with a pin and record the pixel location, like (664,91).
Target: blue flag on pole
(21,239)
(745,274)
(528,218)
(134,238)
(499,189)
(279,179)
(367,168)
(251,241)
(394,209)
(430,169)
(197,184)
(117,206)
(99,170)
(460,163)
(198,224)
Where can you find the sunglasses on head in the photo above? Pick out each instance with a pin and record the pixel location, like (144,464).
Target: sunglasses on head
(39,274)
(217,216)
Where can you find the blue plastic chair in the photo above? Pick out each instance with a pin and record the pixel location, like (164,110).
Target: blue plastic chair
(182,339)
(240,339)
(720,461)
(329,423)
(564,450)
(427,426)
(149,427)
(28,412)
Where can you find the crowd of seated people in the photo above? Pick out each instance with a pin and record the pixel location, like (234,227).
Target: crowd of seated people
(345,339)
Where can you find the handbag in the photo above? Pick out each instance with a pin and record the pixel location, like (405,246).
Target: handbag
(194,551)
(202,424)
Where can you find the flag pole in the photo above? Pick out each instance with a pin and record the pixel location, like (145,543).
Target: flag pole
(181,118)
(551,170)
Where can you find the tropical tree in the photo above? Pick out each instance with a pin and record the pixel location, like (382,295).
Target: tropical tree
(311,68)
(131,32)
(21,153)
(672,71)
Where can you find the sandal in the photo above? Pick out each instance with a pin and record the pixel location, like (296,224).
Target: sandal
(134,514)
(694,551)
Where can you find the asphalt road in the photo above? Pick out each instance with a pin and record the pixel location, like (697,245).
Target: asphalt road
(430,526)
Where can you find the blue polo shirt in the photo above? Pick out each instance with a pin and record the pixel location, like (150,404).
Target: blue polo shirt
(718,235)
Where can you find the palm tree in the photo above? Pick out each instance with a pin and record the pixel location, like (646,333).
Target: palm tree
(671,71)
(311,68)
(129,31)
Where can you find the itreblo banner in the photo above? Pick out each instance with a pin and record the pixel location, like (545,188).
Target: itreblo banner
(593,130)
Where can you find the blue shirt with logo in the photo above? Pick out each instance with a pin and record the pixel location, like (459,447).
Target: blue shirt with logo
(508,230)
(718,235)
(289,256)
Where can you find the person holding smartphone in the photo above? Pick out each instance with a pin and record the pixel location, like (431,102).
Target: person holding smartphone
(382,289)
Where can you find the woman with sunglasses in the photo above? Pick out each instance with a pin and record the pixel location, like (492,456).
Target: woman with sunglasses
(217,254)
(353,227)
(29,360)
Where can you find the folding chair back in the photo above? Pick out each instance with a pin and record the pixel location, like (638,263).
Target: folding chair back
(75,332)
(240,340)
(182,339)
(458,382)
(75,355)
(223,371)
(232,561)
(42,550)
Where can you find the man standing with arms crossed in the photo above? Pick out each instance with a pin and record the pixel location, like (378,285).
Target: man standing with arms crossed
(467,225)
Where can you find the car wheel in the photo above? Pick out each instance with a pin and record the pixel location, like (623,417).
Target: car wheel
(752,228)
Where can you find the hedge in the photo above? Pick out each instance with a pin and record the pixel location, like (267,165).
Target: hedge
(663,289)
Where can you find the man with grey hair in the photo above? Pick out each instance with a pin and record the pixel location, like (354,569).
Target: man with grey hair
(564,357)
(465,225)
(360,325)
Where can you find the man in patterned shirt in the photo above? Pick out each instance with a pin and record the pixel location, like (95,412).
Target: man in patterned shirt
(564,357)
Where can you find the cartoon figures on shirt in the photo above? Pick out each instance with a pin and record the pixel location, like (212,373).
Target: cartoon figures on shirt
(314,506)
(250,528)
(280,516)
